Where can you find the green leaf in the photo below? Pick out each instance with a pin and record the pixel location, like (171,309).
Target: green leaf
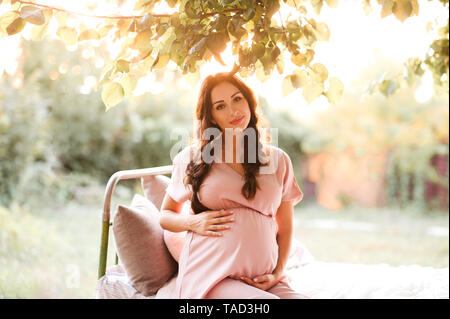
(335,90)
(172,3)
(272,7)
(235,28)
(302,10)
(112,94)
(388,87)
(275,53)
(244,72)
(227,2)
(61,17)
(386,7)
(323,32)
(32,14)
(367,7)
(67,35)
(166,40)
(415,7)
(6,19)
(16,26)
(258,50)
(249,13)
(299,79)
(299,59)
(402,9)
(320,72)
(142,41)
(250,26)
(146,64)
(221,22)
(104,30)
(161,61)
(237,32)
(292,3)
(122,66)
(89,34)
(129,83)
(217,42)
(189,9)
(332,3)
(302,59)
(161,28)
(261,73)
(413,70)
(317,6)
(280,66)
(312,91)
(287,87)
(244,57)
(207,55)
(133,26)
(39,31)
(123,25)
(198,48)
(146,5)
(105,77)
(145,23)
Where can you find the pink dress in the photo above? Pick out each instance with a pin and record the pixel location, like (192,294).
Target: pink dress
(249,248)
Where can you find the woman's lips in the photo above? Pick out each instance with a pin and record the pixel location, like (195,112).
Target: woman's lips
(237,121)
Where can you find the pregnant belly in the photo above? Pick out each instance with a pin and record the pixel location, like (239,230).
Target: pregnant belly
(249,248)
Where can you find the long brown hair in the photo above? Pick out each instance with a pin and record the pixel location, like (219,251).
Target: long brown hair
(198,169)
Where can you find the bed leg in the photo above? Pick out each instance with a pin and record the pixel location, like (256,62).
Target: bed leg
(103,249)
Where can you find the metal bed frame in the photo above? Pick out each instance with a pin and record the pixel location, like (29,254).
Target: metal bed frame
(106,217)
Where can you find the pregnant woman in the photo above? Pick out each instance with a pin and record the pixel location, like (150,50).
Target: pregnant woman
(242,196)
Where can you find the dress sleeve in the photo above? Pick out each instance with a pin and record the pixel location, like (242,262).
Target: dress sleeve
(291,190)
(176,188)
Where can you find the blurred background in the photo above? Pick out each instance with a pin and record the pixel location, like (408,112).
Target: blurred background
(374,170)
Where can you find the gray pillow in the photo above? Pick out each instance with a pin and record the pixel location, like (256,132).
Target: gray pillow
(139,241)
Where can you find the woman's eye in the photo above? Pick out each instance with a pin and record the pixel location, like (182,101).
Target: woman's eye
(219,107)
(237,98)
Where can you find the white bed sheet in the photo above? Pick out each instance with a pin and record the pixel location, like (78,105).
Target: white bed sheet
(320,280)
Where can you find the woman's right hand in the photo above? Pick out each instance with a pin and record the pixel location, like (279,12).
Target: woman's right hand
(210,222)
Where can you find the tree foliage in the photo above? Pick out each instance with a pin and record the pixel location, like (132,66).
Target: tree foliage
(201,30)
(436,60)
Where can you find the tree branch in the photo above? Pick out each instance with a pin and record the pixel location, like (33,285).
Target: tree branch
(113,17)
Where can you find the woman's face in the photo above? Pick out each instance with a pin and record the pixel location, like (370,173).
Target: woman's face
(230,109)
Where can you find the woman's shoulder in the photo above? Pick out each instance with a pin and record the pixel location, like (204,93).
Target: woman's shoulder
(275,151)
(277,159)
(186,155)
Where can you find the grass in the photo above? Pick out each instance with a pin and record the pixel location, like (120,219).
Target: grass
(372,236)
(52,251)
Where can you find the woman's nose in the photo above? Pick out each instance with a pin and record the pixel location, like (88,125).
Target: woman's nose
(234,110)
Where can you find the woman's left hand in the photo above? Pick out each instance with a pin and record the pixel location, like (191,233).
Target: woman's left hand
(264,282)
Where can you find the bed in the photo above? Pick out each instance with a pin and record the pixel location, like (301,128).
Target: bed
(309,276)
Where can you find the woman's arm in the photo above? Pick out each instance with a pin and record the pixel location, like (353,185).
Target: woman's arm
(171,219)
(207,223)
(285,221)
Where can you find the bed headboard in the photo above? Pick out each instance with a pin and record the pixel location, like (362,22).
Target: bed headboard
(112,182)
